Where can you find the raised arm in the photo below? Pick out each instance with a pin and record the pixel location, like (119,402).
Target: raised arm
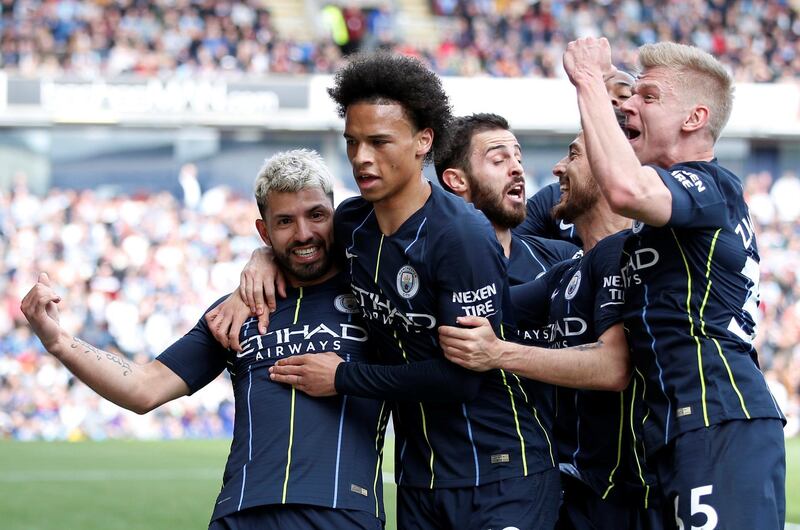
(136,387)
(631,189)
(602,365)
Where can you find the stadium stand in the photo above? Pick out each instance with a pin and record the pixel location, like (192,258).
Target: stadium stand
(757,39)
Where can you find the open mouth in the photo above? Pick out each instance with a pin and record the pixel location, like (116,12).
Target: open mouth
(365,179)
(306,253)
(517,192)
(563,185)
(631,133)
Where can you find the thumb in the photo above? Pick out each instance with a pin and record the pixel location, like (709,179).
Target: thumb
(471,321)
(44,279)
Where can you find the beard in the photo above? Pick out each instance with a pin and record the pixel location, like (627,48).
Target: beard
(491,204)
(577,201)
(305,272)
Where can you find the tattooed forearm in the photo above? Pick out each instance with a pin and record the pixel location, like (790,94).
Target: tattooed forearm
(88,349)
(592,346)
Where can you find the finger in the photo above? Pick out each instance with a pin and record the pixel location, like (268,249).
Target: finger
(220,331)
(233,334)
(280,283)
(472,322)
(452,332)
(263,322)
(293,380)
(248,295)
(44,279)
(296,360)
(211,315)
(286,370)
(265,296)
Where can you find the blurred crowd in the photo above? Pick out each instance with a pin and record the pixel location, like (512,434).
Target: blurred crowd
(136,272)
(757,39)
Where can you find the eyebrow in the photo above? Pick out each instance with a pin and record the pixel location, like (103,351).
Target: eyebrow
(500,146)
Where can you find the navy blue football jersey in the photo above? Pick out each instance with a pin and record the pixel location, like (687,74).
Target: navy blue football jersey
(289,448)
(443,262)
(583,298)
(539,220)
(690,307)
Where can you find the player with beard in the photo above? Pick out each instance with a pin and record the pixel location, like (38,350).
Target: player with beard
(539,220)
(604,481)
(482,163)
(712,428)
(295,462)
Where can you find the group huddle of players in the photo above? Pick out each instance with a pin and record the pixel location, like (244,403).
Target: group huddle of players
(583,360)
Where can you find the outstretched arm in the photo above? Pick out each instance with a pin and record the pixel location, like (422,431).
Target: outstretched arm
(326,374)
(136,387)
(602,365)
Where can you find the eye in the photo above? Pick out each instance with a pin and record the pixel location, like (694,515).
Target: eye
(349,142)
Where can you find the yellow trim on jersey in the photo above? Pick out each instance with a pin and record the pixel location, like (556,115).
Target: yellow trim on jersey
(297,306)
(422,411)
(289,452)
(619,445)
(635,453)
(644,391)
(291,414)
(691,329)
(379,463)
(703,327)
(516,422)
(536,417)
(378,260)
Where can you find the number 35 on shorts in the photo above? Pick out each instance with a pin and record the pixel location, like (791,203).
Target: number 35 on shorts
(698,507)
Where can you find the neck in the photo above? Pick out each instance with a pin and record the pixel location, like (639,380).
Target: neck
(599,223)
(296,282)
(687,152)
(504,238)
(392,212)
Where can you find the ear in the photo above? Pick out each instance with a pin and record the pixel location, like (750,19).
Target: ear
(261,226)
(697,119)
(424,142)
(456,179)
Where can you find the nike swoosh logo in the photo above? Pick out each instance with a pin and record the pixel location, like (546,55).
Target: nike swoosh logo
(240,354)
(563,226)
(349,255)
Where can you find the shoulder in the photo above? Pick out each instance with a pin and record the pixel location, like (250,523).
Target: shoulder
(699,176)
(450,215)
(553,247)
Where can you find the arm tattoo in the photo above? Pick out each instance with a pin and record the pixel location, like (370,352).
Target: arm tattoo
(89,349)
(593,346)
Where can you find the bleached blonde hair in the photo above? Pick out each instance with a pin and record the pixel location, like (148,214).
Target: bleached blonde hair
(292,171)
(702,77)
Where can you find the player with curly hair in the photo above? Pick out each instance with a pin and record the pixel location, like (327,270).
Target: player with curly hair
(468,451)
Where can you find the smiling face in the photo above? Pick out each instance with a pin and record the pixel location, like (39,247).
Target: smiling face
(299,226)
(655,116)
(579,190)
(384,148)
(496,177)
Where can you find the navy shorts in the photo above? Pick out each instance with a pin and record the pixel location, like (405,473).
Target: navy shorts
(583,509)
(297,517)
(729,476)
(517,503)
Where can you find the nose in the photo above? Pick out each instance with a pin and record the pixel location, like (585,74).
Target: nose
(627,106)
(303,232)
(560,169)
(361,155)
(516,168)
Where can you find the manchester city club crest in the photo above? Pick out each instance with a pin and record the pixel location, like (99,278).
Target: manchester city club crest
(637,227)
(346,303)
(407,281)
(572,286)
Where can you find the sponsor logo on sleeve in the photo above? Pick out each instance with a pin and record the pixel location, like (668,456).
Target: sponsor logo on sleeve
(689,180)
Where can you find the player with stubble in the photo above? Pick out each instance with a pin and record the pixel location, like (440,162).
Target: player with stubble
(468,451)
(712,429)
(295,462)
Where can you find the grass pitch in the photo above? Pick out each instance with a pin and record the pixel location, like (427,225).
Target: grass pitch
(153,485)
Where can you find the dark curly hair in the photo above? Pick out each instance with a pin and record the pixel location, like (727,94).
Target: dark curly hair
(385,77)
(455,153)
